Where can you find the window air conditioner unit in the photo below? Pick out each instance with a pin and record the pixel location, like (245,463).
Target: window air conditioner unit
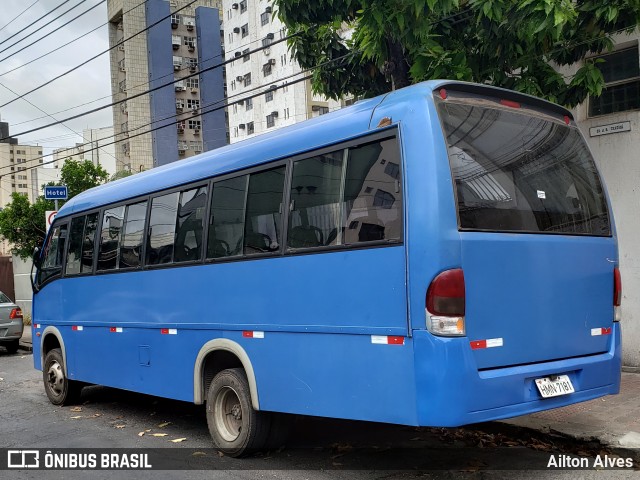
(193,68)
(236,30)
(273,86)
(121,47)
(240,102)
(196,131)
(272,61)
(238,54)
(267,51)
(194,90)
(239,78)
(194,111)
(267,10)
(192,48)
(176,67)
(181,152)
(270,36)
(189,26)
(179,107)
(274,114)
(176,46)
(174,24)
(242,126)
(234,6)
(120,26)
(180,129)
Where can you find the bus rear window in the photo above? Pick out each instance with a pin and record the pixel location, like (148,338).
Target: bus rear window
(521,172)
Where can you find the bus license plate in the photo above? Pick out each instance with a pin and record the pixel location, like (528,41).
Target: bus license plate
(560,385)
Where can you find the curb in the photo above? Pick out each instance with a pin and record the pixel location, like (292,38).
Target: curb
(26,346)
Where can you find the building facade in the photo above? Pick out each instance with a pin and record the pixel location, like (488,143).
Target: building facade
(98,148)
(249,25)
(181,47)
(611,126)
(60,155)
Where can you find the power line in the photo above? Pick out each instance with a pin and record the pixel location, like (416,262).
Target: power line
(68,43)
(54,30)
(18,16)
(146,92)
(225,105)
(98,55)
(34,32)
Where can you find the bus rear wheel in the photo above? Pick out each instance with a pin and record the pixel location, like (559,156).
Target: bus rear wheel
(235,427)
(59,389)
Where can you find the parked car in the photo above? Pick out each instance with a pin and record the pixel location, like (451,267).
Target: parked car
(10,324)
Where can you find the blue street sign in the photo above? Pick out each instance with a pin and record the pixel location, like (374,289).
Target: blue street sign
(55,193)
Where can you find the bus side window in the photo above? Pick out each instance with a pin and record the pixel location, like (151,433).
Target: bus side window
(226,221)
(162,229)
(75,246)
(264,211)
(53,254)
(189,227)
(373,193)
(88,241)
(109,253)
(132,234)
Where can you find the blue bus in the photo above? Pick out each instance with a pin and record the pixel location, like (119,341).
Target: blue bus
(437,256)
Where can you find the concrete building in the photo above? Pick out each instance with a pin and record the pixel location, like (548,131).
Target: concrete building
(611,125)
(183,45)
(98,148)
(249,25)
(60,155)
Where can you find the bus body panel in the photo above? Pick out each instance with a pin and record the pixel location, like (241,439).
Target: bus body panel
(545,296)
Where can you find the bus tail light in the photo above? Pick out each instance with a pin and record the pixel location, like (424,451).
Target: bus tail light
(445,304)
(15,313)
(617,294)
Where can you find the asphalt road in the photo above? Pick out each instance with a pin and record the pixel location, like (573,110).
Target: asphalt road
(317,449)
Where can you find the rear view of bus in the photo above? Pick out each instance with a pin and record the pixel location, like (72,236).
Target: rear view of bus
(523,314)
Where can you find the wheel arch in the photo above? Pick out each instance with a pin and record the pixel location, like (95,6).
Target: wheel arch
(48,335)
(222,345)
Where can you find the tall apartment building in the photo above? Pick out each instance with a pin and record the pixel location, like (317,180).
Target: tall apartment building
(14,173)
(181,47)
(249,25)
(60,155)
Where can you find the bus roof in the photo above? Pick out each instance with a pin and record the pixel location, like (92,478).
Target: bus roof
(333,127)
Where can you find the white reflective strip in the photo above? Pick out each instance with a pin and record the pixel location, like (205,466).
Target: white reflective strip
(596,331)
(379,339)
(258,334)
(79,328)
(173,331)
(116,330)
(36,325)
(494,342)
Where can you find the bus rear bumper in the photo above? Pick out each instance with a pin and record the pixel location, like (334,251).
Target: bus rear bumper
(459,394)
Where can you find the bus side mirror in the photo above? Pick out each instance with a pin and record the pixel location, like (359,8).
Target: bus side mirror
(36,257)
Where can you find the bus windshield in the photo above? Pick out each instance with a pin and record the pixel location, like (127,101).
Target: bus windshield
(516,171)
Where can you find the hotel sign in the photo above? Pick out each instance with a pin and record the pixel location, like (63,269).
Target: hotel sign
(612,128)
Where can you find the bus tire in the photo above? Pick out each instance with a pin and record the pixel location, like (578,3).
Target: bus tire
(235,427)
(279,430)
(59,389)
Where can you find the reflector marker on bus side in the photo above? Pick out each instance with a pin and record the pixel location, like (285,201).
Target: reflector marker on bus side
(252,334)
(115,329)
(600,331)
(77,328)
(387,340)
(488,343)
(169,331)
(36,325)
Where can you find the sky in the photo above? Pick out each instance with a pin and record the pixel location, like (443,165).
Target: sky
(87,84)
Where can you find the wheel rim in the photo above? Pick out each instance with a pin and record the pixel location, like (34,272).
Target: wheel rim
(55,378)
(228,414)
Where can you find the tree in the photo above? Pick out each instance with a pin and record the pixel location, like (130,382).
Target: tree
(120,174)
(507,43)
(23,224)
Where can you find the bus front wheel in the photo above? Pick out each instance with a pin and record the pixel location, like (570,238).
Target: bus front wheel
(235,427)
(60,390)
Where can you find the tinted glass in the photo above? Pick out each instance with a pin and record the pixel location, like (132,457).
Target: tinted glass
(189,228)
(523,173)
(162,229)
(53,254)
(75,246)
(108,255)
(226,223)
(315,201)
(264,211)
(132,235)
(88,240)
(4,298)
(373,193)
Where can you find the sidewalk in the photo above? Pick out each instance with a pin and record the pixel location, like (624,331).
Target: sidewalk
(25,341)
(614,420)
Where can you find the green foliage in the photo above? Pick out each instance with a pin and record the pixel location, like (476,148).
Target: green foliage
(120,174)
(23,224)
(508,43)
